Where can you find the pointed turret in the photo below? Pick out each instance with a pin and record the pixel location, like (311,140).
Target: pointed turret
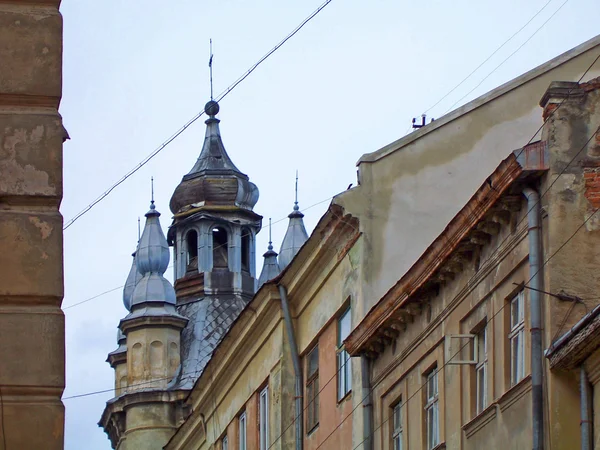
(295,236)
(270,267)
(132,280)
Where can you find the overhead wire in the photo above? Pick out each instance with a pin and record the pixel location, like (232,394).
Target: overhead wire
(196,117)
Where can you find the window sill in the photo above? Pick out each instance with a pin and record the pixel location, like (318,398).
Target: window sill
(312,430)
(480,420)
(515,393)
(440,446)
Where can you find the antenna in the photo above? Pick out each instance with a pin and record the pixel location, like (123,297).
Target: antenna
(210,67)
(296,196)
(152,189)
(422,124)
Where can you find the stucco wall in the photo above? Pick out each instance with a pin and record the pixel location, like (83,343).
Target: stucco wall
(410,189)
(31,281)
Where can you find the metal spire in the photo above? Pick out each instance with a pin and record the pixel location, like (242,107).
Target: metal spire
(270,266)
(139,230)
(270,247)
(152,188)
(296,207)
(210,68)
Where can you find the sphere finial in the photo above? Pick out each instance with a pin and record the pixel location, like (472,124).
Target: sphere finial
(211,108)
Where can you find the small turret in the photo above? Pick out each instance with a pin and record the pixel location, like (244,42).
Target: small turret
(118,361)
(295,235)
(270,267)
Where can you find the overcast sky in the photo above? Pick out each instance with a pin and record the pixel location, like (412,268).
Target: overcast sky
(347,84)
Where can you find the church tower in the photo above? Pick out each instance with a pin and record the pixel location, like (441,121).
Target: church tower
(213,236)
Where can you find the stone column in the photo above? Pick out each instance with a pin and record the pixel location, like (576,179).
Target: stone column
(32,354)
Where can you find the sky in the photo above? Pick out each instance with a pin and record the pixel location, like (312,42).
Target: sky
(347,84)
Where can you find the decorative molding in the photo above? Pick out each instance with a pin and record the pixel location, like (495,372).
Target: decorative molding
(515,393)
(480,420)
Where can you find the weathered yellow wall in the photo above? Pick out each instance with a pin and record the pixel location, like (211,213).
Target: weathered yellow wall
(149,427)
(31,267)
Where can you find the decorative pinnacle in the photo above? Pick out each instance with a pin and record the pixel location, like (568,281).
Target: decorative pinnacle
(210,68)
(270,247)
(139,232)
(296,207)
(152,189)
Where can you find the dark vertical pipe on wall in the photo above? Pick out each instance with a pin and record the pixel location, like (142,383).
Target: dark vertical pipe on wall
(586,413)
(367,399)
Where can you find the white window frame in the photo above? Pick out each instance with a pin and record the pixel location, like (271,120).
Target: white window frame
(224,443)
(453,350)
(242,430)
(263,423)
(481,374)
(432,414)
(516,338)
(344,367)
(397,430)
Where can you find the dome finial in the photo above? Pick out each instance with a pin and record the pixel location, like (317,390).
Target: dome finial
(296,207)
(152,193)
(270,247)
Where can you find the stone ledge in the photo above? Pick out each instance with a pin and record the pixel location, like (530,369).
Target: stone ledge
(515,393)
(480,420)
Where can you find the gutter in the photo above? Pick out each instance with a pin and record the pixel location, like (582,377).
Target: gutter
(299,419)
(535,282)
(367,404)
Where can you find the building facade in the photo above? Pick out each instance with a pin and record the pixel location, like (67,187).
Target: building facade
(456,345)
(32,346)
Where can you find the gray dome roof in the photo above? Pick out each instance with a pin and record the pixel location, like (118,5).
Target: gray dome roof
(214,179)
(132,279)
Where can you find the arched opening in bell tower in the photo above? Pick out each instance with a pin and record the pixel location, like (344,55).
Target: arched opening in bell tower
(220,248)
(191,242)
(246,239)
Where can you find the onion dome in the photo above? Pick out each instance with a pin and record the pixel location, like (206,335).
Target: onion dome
(214,180)
(270,267)
(132,280)
(294,239)
(152,258)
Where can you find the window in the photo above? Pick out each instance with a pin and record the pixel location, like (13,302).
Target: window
(344,369)
(242,431)
(432,410)
(312,389)
(219,248)
(481,370)
(517,338)
(191,240)
(224,443)
(263,421)
(245,250)
(397,427)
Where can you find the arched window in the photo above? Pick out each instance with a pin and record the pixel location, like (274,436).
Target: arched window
(191,241)
(220,248)
(246,236)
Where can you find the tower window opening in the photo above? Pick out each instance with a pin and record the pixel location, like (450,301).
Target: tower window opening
(191,240)
(220,248)
(245,250)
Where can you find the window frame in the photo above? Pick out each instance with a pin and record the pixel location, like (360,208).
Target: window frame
(432,414)
(312,391)
(242,431)
(224,443)
(481,370)
(263,418)
(343,365)
(397,427)
(516,338)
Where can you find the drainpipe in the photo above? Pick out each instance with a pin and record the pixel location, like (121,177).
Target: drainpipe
(367,404)
(533,219)
(299,417)
(586,429)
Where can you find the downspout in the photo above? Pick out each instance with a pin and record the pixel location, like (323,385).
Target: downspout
(367,400)
(535,282)
(586,428)
(299,417)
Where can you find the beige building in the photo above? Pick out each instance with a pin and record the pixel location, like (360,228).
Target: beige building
(456,344)
(262,361)
(32,373)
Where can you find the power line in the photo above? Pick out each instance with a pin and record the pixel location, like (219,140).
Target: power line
(488,58)
(196,117)
(221,245)
(509,56)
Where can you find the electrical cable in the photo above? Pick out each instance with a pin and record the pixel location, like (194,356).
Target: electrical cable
(488,58)
(508,57)
(196,117)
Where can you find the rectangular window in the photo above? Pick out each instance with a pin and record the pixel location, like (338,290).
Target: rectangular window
(344,372)
(312,389)
(432,410)
(242,431)
(481,370)
(517,338)
(397,427)
(224,443)
(263,424)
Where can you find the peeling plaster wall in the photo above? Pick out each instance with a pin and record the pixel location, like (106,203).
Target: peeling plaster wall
(31,238)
